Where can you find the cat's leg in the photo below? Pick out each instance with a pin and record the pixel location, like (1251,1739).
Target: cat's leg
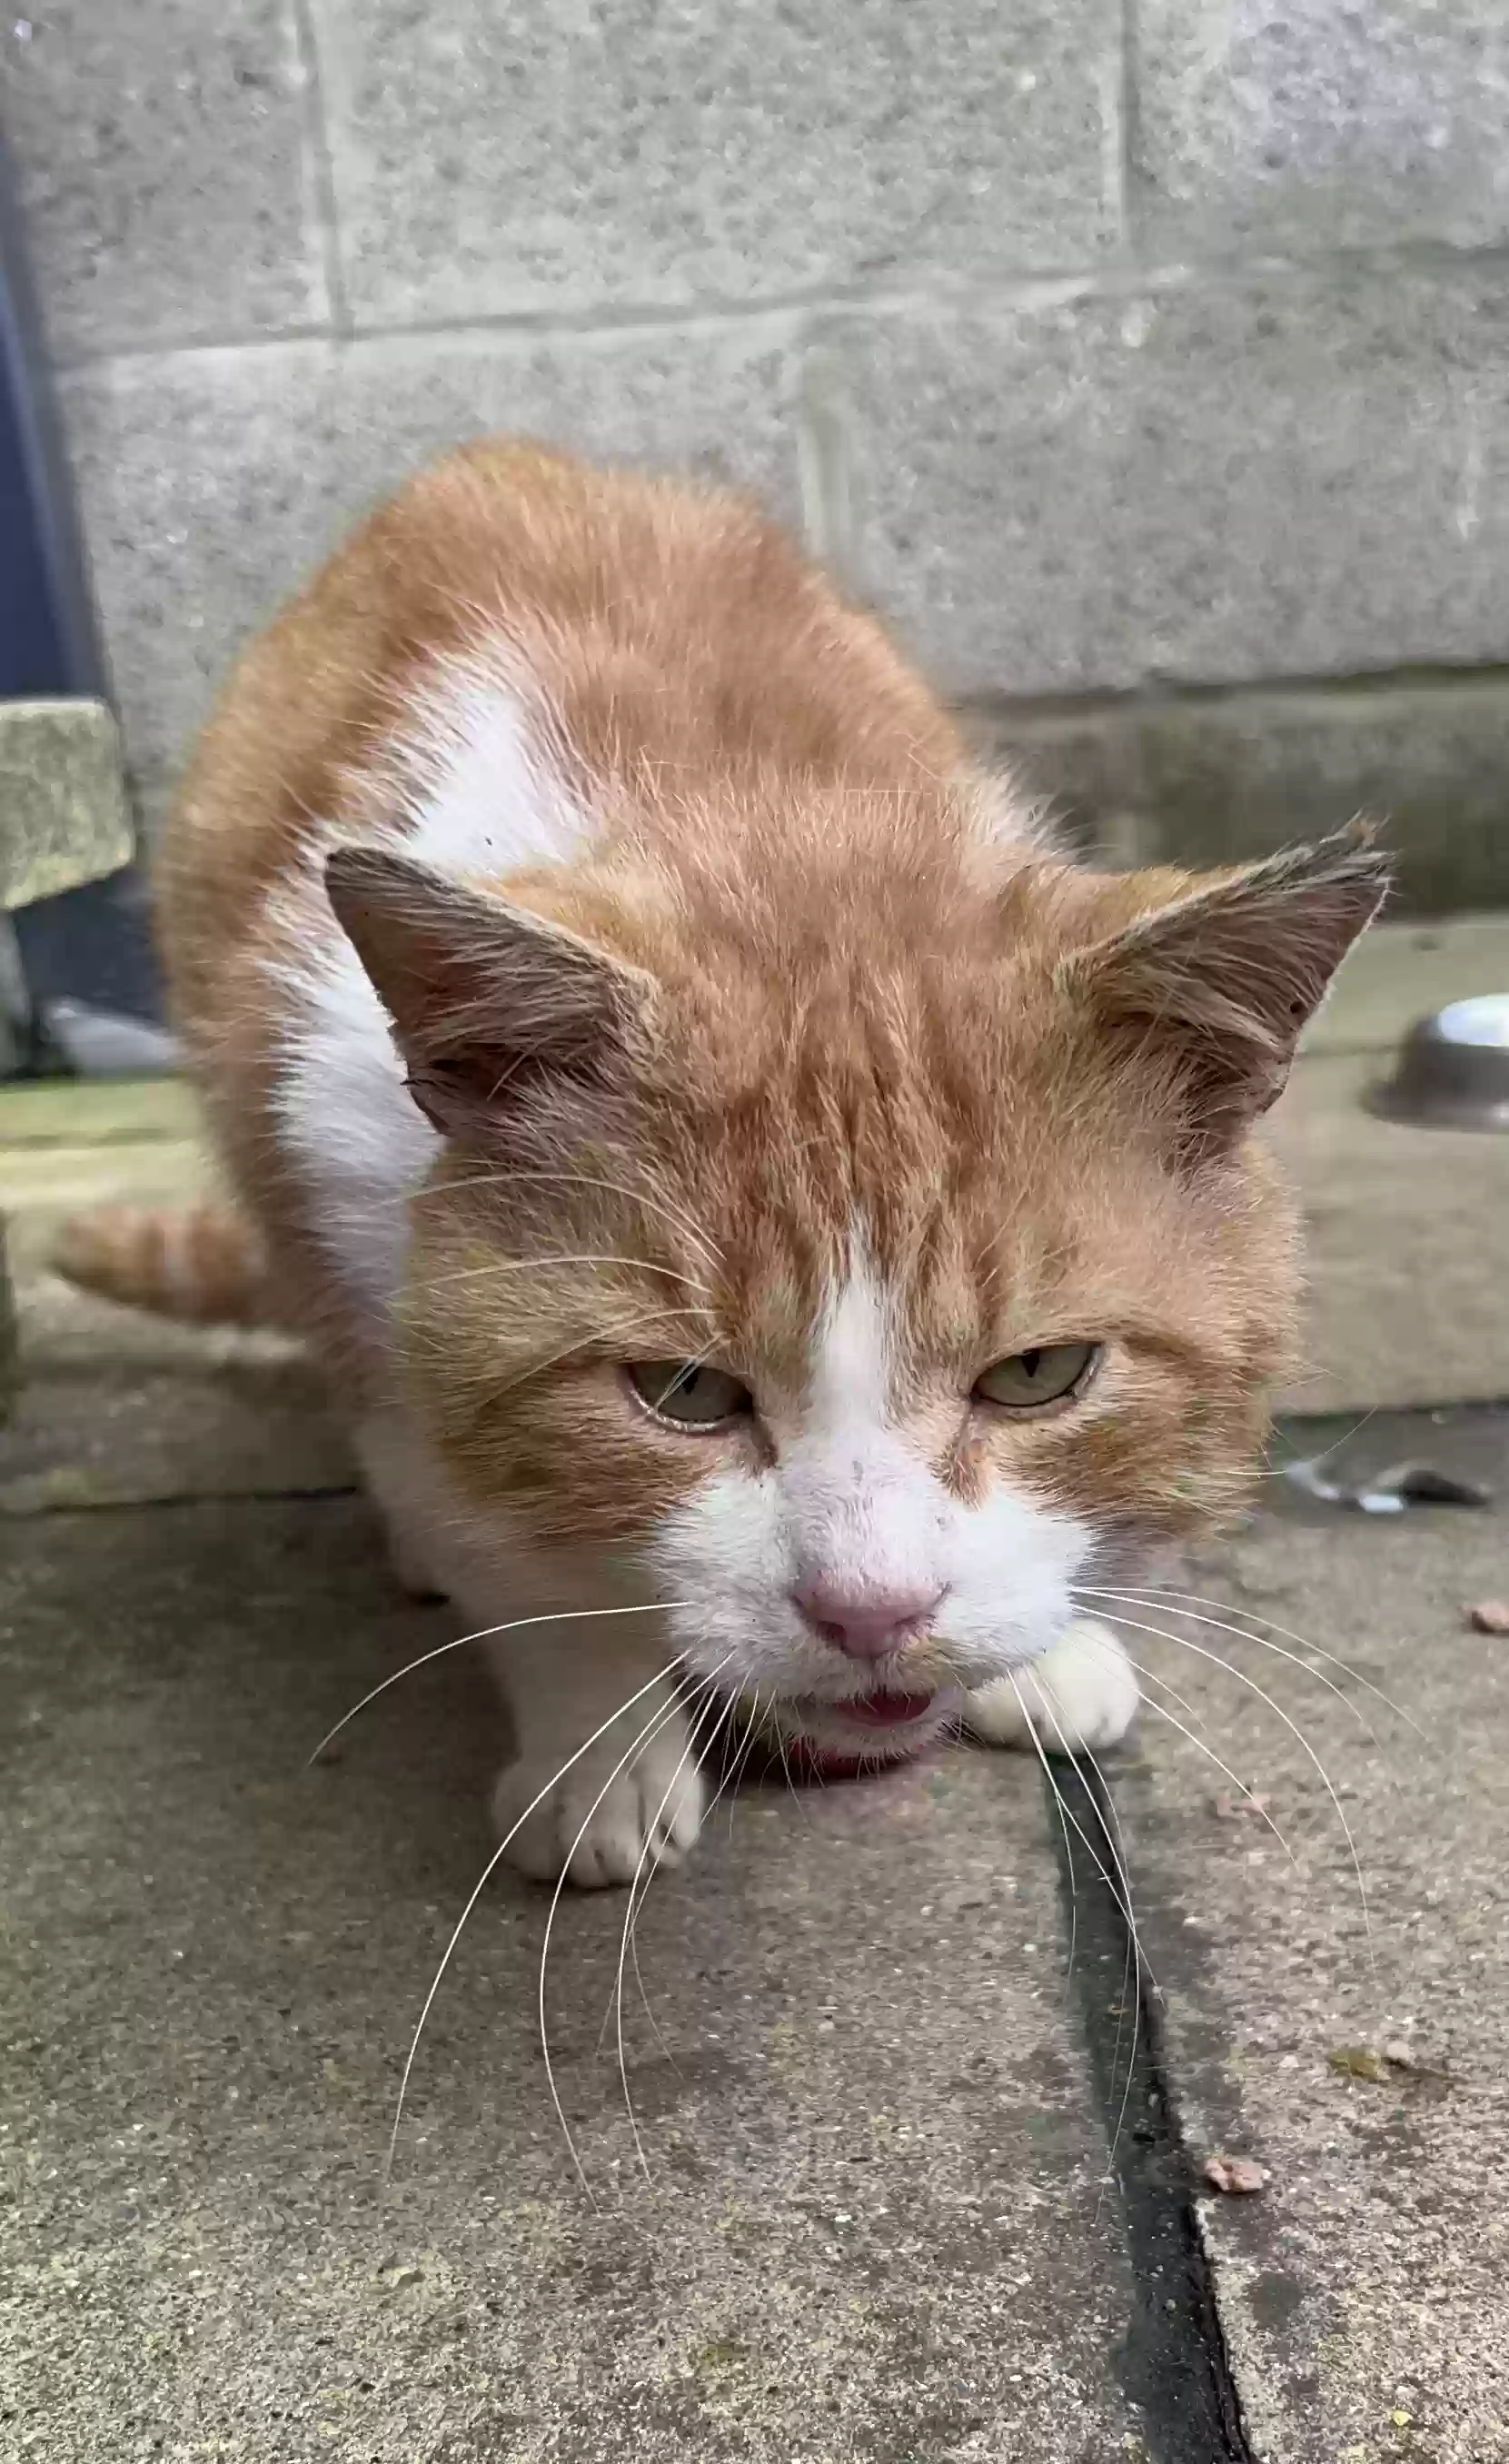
(563,1678)
(635,1793)
(396,1476)
(1082,1693)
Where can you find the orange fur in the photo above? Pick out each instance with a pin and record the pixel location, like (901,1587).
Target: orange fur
(203,1264)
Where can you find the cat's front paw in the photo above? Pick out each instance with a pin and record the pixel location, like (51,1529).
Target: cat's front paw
(598,1825)
(1082,1694)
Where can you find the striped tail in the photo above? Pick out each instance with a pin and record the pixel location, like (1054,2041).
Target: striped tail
(202,1264)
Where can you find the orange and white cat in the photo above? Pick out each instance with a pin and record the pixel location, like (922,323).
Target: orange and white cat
(728,1159)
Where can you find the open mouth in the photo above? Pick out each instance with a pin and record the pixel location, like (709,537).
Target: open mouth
(885,1711)
(886,1725)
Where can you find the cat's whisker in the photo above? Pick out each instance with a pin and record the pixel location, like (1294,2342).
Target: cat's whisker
(1074,1892)
(650,1852)
(1104,1805)
(678,1220)
(1199,1739)
(1243,1634)
(586,1342)
(1201,1652)
(639,1979)
(729,1783)
(487,1634)
(683,1369)
(792,1789)
(486,1875)
(1132,1953)
(1279,1471)
(1159,1595)
(743,1758)
(547,1263)
(658,1721)
(1121,1897)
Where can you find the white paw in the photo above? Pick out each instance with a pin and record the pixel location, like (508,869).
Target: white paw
(1081,1694)
(594,1823)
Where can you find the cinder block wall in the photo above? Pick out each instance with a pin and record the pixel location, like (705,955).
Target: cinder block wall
(1147,362)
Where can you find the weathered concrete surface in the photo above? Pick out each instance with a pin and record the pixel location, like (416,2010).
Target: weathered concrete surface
(1311,127)
(565,161)
(167,164)
(1364,2293)
(1281,478)
(875,2226)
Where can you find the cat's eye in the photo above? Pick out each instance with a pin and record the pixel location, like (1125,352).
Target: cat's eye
(690,1393)
(1051,1373)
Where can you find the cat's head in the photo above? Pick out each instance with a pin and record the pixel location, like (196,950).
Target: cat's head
(860,1255)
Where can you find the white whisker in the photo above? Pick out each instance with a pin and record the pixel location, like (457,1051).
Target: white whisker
(1122,1897)
(544,1264)
(1161,1633)
(651,1729)
(1133,1950)
(645,1737)
(1157,1595)
(1199,1739)
(634,1902)
(486,1634)
(667,1214)
(486,1875)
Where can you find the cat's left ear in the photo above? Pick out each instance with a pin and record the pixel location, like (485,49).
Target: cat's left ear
(1218,985)
(489,1002)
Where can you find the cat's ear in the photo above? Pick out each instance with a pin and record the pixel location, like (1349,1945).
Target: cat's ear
(1218,985)
(487,1000)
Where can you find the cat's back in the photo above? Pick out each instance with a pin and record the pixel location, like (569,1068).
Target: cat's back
(658,630)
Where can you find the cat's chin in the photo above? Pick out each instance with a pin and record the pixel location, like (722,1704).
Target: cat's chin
(862,1732)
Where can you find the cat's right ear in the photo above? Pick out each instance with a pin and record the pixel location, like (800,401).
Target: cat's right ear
(487,1000)
(1216,988)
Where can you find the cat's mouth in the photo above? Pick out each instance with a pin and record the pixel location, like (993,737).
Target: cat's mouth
(884,1724)
(883,1709)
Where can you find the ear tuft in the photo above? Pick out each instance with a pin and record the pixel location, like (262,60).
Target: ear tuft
(1222,982)
(486,997)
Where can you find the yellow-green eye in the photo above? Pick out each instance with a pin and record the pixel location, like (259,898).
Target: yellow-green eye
(690,1393)
(1049,1374)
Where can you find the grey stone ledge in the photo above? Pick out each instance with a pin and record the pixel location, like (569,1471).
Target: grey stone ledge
(64,814)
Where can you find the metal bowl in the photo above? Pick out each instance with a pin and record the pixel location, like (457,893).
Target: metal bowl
(1452,1069)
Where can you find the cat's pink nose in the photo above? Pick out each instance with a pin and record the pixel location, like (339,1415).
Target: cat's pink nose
(864,1624)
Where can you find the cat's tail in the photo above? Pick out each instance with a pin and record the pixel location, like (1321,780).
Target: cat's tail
(202,1264)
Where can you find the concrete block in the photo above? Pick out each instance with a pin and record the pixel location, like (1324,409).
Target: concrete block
(212,481)
(488,161)
(1280,479)
(64,819)
(1241,775)
(165,161)
(1312,126)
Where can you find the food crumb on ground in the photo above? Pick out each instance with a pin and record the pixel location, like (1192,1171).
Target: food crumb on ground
(1238,2177)
(1488,1617)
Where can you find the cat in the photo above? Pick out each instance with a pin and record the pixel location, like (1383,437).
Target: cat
(726,1155)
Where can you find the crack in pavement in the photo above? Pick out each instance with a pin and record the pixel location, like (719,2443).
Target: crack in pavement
(1174,2363)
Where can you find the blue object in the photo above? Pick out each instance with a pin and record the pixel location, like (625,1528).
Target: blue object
(90,947)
